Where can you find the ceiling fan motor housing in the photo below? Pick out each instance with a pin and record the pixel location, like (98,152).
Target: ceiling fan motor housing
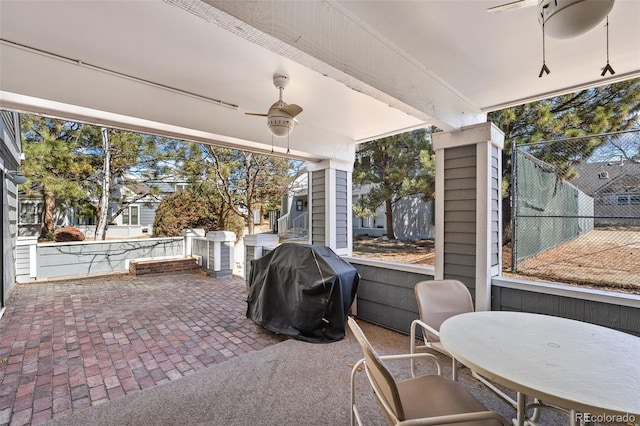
(279,122)
(571,18)
(280,81)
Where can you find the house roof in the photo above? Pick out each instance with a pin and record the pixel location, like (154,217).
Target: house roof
(360,69)
(610,176)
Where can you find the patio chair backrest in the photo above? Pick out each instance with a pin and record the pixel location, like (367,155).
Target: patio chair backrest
(439,300)
(380,377)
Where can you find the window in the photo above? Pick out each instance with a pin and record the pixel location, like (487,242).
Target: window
(181,186)
(30,212)
(130,216)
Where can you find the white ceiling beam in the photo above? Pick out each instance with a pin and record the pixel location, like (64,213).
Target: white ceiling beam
(325,37)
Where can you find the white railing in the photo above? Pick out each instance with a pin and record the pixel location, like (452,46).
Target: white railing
(283,224)
(301,225)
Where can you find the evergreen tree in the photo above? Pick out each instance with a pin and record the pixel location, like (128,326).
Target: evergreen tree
(56,165)
(396,166)
(604,109)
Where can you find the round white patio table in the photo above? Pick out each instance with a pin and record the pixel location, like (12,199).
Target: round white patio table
(579,366)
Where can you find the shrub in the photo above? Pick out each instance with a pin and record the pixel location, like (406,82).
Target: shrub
(195,207)
(68,233)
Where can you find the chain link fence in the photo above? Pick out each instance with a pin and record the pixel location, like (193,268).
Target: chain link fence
(576,210)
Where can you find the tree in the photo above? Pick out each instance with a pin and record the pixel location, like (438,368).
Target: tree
(70,163)
(604,109)
(195,207)
(101,222)
(121,156)
(56,166)
(396,166)
(246,181)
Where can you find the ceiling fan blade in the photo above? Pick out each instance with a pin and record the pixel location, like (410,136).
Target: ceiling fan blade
(292,110)
(256,114)
(514,5)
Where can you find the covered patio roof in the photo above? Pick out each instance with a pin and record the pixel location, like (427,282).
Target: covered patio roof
(360,69)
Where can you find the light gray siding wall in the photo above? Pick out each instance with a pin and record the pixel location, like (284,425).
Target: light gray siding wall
(10,149)
(22,261)
(341,209)
(200,247)
(226,268)
(147,214)
(617,316)
(496,199)
(86,258)
(386,297)
(386,293)
(249,255)
(318,215)
(460,214)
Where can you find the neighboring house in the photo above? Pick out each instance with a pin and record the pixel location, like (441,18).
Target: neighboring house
(615,188)
(412,217)
(293,221)
(135,220)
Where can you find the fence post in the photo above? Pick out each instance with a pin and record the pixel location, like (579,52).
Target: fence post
(254,245)
(188,235)
(221,252)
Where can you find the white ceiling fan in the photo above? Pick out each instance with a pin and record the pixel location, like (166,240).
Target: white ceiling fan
(563,18)
(281,116)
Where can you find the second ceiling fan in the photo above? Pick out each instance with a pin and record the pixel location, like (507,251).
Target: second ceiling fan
(563,18)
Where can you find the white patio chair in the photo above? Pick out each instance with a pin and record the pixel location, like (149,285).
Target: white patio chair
(439,300)
(424,400)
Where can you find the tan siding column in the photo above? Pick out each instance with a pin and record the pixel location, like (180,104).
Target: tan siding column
(469,208)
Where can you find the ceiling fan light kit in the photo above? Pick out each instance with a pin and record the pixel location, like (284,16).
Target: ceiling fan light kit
(564,19)
(281,116)
(570,18)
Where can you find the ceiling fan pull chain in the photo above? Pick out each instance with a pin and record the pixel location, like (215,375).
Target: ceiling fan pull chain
(544,68)
(287,143)
(272,143)
(607,67)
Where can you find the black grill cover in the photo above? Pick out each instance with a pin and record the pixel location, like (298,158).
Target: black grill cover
(303,291)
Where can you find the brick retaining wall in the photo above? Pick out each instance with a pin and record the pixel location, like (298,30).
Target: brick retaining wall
(145,267)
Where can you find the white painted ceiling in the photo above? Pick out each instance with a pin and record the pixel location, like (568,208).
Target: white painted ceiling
(360,69)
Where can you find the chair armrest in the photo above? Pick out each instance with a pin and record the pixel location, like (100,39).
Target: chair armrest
(457,418)
(412,357)
(423,325)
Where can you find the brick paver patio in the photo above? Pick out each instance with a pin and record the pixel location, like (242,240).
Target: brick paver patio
(68,345)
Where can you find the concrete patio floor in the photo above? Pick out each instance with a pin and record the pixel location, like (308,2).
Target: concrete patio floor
(175,349)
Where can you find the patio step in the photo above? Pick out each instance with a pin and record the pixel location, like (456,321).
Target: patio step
(162,266)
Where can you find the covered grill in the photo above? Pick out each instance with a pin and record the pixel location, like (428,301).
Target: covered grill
(303,291)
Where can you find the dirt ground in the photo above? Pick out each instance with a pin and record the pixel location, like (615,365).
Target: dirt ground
(606,258)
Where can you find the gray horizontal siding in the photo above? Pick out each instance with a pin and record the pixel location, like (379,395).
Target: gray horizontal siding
(318,214)
(200,247)
(494,208)
(387,297)
(619,317)
(341,209)
(460,214)
(147,215)
(22,261)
